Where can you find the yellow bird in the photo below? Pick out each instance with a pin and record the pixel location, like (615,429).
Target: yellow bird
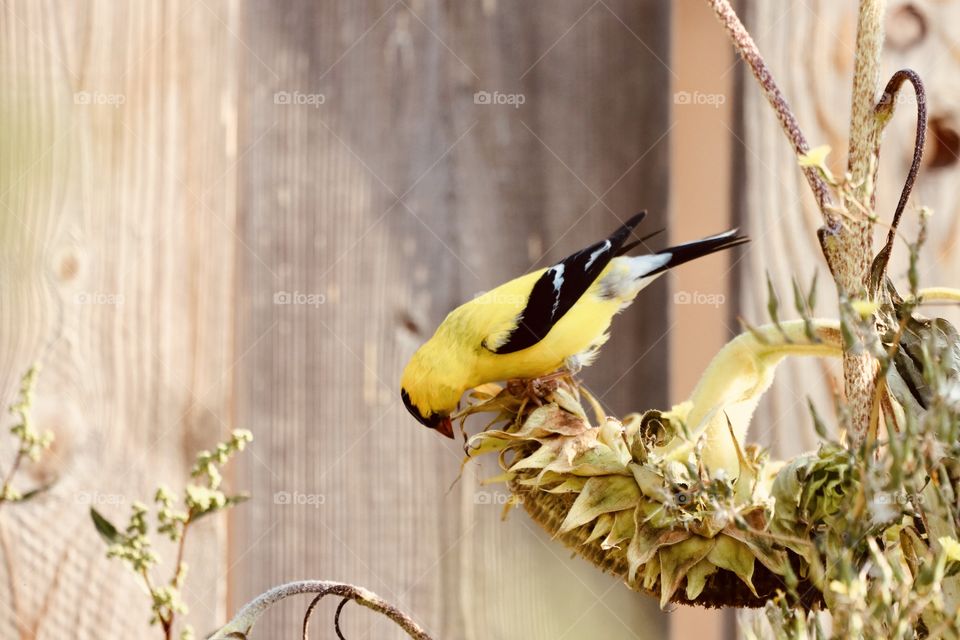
(538,323)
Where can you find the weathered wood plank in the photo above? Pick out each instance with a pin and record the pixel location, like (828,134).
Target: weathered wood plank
(703,309)
(116,227)
(485,191)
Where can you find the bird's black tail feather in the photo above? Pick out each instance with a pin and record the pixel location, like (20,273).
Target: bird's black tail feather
(627,247)
(698,248)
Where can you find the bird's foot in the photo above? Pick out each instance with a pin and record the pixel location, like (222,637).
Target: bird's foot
(537,389)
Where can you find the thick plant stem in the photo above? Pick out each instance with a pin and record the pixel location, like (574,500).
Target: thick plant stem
(864,133)
(850,251)
(725,398)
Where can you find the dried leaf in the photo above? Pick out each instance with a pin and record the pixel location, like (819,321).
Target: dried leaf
(650,482)
(572,484)
(697,578)
(601,528)
(762,549)
(584,456)
(623,529)
(646,541)
(566,401)
(488,442)
(676,560)
(651,573)
(539,459)
(734,556)
(550,420)
(601,494)
(501,479)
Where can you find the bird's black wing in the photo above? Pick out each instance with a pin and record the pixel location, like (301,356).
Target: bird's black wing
(559,288)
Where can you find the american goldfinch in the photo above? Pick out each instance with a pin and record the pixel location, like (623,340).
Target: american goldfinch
(538,323)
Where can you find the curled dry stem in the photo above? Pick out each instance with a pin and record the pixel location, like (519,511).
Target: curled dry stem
(884,111)
(243,622)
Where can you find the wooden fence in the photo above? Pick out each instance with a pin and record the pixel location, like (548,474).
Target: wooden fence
(240,213)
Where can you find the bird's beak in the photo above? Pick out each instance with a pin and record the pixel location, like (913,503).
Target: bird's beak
(445,426)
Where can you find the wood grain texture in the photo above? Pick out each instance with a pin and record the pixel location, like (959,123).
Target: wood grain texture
(374,213)
(703,60)
(374,194)
(117,232)
(809,47)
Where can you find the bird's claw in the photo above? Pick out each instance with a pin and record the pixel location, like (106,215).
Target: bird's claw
(537,389)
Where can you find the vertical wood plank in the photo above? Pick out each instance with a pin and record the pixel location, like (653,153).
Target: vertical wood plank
(702,304)
(117,234)
(376,194)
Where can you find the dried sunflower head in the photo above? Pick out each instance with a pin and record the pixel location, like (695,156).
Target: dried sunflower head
(666,526)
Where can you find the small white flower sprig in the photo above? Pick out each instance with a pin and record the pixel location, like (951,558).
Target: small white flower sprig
(134,546)
(31,444)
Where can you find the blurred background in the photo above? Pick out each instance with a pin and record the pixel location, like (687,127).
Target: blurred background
(220,214)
